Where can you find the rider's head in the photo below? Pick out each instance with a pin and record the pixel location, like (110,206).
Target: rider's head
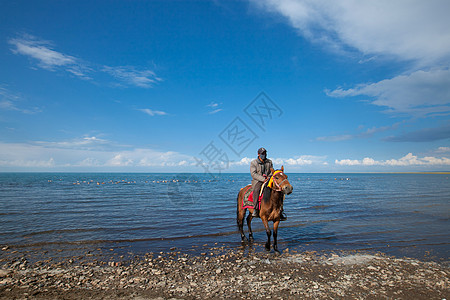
(262,153)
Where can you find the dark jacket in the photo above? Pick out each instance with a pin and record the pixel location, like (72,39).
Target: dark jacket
(256,170)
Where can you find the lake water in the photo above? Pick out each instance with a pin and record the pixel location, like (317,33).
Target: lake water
(400,214)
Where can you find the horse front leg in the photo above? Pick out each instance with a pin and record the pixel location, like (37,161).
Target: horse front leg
(249,225)
(275,235)
(268,232)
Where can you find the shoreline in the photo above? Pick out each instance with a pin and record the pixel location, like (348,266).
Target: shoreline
(221,272)
(178,173)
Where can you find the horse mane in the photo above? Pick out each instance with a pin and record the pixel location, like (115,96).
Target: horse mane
(267,192)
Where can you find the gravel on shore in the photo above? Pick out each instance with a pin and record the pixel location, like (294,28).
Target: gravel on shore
(225,274)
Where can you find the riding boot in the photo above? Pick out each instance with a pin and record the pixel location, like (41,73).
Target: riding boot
(255,199)
(255,213)
(255,208)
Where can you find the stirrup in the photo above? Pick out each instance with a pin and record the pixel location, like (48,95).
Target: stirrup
(283,217)
(255,213)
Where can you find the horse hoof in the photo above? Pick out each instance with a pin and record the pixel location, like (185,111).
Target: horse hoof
(268,247)
(251,239)
(244,239)
(276,251)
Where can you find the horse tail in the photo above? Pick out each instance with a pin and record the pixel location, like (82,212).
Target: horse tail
(238,219)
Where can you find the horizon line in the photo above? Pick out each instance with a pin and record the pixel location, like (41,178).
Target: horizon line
(125,172)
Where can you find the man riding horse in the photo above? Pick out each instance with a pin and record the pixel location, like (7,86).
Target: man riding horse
(260,171)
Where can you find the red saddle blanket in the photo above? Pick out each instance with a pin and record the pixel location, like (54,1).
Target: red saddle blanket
(247,201)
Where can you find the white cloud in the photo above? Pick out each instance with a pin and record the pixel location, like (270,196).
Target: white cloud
(298,161)
(245,161)
(365,134)
(46,57)
(336,138)
(304,160)
(119,160)
(62,155)
(423,135)
(443,150)
(215,108)
(130,76)
(348,162)
(416,32)
(420,93)
(367,161)
(411,159)
(153,113)
(408,30)
(25,156)
(86,143)
(407,160)
(10,101)
(39,50)
(89,162)
(28,163)
(293,161)
(214,111)
(142,157)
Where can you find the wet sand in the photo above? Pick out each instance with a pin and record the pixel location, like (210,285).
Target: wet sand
(220,273)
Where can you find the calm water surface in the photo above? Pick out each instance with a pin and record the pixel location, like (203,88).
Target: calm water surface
(400,214)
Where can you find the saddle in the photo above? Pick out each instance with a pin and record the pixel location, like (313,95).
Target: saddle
(248,199)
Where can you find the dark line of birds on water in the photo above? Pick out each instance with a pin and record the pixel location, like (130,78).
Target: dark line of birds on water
(124,181)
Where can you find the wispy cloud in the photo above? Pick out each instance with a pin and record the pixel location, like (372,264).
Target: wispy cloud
(10,101)
(214,111)
(84,143)
(423,135)
(336,138)
(421,93)
(152,112)
(407,160)
(130,76)
(365,134)
(46,57)
(214,108)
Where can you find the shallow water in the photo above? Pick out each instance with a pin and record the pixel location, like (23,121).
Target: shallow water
(400,214)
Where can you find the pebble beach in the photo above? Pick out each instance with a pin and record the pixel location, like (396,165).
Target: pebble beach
(220,273)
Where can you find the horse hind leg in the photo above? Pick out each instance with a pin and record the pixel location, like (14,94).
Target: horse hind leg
(249,225)
(268,232)
(240,220)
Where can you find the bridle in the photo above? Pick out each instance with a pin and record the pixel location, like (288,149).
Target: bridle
(278,185)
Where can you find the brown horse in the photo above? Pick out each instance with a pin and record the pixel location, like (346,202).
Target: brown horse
(271,205)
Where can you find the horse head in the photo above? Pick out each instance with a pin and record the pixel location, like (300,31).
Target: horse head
(280,181)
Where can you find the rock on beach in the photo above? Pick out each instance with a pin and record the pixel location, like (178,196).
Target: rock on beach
(230,274)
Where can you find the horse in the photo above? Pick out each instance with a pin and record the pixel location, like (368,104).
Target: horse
(270,210)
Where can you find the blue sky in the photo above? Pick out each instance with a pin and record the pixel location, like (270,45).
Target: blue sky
(195,86)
